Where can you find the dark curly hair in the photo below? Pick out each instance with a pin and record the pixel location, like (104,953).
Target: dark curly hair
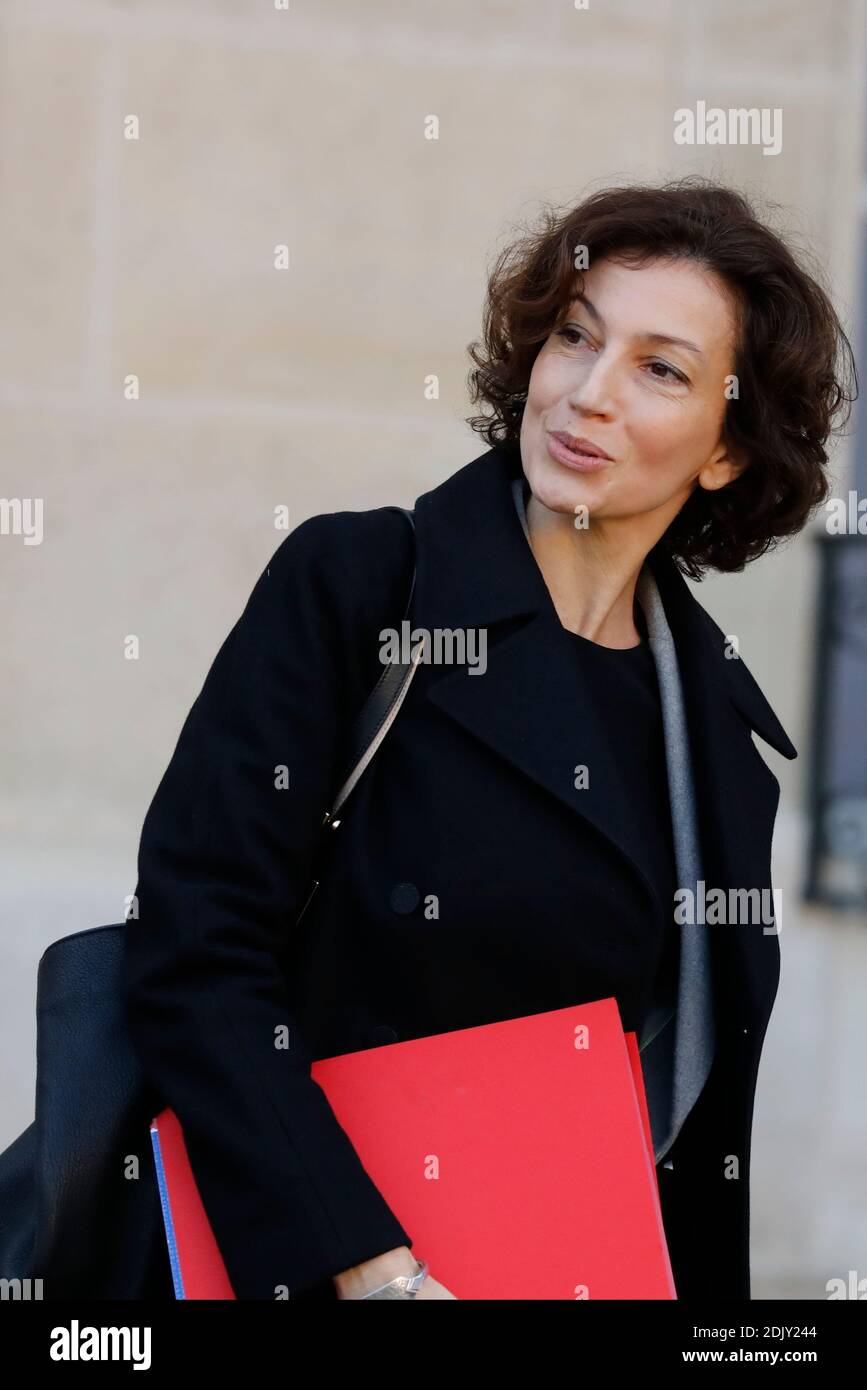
(795,367)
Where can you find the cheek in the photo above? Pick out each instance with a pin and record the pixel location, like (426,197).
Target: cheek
(548,382)
(668,435)
(535,398)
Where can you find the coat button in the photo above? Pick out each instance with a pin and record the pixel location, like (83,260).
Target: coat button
(381,1034)
(404,898)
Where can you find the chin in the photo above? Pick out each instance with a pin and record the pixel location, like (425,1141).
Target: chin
(560,491)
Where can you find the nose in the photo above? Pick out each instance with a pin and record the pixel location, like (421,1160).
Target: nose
(594,390)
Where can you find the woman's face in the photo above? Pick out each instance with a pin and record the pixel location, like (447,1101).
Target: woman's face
(613,374)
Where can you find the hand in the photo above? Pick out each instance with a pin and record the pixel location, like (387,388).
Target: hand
(372,1274)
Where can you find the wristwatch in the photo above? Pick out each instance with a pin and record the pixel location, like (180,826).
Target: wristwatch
(403,1286)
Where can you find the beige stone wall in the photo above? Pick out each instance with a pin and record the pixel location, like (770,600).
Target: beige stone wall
(154,257)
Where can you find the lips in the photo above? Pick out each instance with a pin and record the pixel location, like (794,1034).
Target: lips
(579,445)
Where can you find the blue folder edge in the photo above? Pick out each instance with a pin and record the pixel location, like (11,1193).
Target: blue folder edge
(174,1261)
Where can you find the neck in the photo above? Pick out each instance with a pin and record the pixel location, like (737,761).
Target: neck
(591,573)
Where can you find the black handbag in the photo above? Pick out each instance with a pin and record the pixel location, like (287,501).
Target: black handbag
(78,1217)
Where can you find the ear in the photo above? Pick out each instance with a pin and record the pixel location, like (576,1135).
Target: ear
(722,469)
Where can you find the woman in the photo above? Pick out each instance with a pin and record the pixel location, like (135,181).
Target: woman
(664,407)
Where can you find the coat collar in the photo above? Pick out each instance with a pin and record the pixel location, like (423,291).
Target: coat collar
(533,707)
(476,569)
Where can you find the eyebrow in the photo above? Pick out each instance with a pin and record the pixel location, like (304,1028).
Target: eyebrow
(648,337)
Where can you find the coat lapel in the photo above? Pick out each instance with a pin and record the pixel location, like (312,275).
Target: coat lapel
(737,795)
(534,707)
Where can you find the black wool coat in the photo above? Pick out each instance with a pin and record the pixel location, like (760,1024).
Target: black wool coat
(471,804)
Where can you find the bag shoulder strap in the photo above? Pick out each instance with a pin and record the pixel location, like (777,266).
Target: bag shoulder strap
(378,711)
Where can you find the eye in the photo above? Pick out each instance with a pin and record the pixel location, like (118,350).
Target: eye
(569,334)
(675,374)
(574,336)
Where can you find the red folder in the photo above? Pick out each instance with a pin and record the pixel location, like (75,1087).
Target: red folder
(517,1155)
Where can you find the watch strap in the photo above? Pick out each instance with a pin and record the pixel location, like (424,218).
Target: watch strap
(403,1285)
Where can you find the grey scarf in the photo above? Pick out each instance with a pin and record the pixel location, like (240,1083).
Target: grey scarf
(678,1038)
